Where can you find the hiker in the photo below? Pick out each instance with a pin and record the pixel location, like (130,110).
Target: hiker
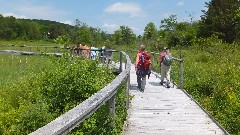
(76,49)
(94,53)
(165,63)
(85,51)
(103,52)
(142,67)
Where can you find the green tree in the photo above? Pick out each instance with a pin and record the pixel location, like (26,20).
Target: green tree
(8,26)
(150,31)
(124,36)
(34,31)
(85,36)
(168,30)
(55,30)
(23,30)
(62,40)
(168,24)
(128,36)
(177,33)
(44,32)
(118,37)
(222,19)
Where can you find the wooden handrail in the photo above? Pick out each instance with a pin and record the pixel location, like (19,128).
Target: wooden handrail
(68,121)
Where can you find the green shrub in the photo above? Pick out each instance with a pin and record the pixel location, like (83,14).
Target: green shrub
(39,97)
(211,74)
(100,122)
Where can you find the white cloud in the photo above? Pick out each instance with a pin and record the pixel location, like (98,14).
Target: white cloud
(39,11)
(110,26)
(14,15)
(133,9)
(180,3)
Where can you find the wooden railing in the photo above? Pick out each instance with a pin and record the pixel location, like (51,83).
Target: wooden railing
(28,48)
(31,50)
(68,121)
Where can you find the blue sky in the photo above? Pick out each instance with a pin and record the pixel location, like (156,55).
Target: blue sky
(108,15)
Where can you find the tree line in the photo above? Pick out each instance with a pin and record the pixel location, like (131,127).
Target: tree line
(222,20)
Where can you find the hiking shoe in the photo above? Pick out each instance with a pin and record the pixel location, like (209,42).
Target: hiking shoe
(161,83)
(142,90)
(168,86)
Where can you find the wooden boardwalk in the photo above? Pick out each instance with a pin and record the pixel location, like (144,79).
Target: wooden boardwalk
(162,111)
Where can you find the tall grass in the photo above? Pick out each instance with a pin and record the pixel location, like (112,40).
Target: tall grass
(211,76)
(37,89)
(14,67)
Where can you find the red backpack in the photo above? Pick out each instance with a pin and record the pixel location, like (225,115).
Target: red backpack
(144,60)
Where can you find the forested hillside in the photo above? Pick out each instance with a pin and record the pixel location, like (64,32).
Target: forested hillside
(31,30)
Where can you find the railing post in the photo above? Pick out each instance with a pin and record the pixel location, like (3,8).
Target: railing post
(111,102)
(181,74)
(131,54)
(127,91)
(125,64)
(112,56)
(120,67)
(153,54)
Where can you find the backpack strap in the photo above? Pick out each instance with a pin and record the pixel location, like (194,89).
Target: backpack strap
(138,58)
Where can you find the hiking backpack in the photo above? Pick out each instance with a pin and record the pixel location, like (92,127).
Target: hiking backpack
(167,60)
(144,60)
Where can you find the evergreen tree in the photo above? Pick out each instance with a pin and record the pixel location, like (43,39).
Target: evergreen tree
(222,19)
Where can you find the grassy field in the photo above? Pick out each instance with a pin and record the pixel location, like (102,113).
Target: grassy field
(14,67)
(34,90)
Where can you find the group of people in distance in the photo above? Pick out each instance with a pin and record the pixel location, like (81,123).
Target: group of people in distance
(85,51)
(81,50)
(143,66)
(92,52)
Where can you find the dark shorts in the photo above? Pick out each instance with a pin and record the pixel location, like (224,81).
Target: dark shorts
(143,72)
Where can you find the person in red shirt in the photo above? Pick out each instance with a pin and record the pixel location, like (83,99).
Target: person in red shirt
(165,69)
(141,72)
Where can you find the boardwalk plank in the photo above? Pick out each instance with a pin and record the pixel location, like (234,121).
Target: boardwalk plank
(162,111)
